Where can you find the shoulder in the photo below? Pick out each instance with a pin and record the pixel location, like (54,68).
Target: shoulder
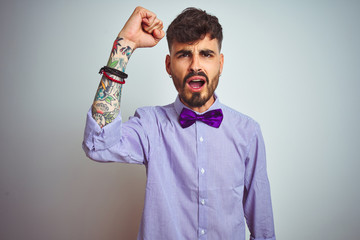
(241,125)
(237,118)
(156,113)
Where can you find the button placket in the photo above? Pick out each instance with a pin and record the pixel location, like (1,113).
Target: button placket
(202,176)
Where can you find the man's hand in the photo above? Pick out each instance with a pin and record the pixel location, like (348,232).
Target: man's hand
(143,29)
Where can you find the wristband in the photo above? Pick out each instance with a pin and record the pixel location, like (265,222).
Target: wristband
(104,70)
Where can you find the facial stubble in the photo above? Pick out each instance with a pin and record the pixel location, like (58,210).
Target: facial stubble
(197,99)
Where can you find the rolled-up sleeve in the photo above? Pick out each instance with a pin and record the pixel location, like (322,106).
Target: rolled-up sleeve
(257,199)
(117,142)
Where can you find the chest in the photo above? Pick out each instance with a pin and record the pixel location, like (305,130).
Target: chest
(201,154)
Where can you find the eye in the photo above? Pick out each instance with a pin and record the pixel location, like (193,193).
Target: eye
(206,54)
(184,55)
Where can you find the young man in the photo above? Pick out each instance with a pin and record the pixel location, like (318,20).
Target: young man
(205,162)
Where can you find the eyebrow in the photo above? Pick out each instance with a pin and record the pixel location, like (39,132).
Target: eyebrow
(183,51)
(205,51)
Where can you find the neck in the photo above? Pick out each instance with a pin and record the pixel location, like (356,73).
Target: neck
(202,108)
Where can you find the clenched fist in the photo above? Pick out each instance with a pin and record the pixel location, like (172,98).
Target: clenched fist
(143,29)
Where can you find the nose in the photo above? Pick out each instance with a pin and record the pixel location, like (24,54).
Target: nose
(195,65)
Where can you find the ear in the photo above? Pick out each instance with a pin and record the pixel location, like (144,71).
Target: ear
(221,62)
(167,64)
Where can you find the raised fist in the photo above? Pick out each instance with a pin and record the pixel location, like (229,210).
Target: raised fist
(143,29)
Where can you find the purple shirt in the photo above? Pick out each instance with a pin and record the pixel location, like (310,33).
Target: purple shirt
(202,182)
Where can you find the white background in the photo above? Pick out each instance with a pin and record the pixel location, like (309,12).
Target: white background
(291,65)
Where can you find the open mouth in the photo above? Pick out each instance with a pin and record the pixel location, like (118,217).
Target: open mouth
(196,82)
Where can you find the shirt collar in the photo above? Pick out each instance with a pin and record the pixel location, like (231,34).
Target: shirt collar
(179,105)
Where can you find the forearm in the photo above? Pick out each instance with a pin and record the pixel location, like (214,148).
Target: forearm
(257,198)
(106,105)
(143,29)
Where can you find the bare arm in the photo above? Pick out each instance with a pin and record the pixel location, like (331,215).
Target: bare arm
(143,29)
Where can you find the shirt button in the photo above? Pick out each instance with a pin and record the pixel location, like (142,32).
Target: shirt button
(202,201)
(202,171)
(201,139)
(202,231)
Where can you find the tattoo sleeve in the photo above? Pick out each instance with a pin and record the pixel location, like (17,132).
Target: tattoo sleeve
(106,104)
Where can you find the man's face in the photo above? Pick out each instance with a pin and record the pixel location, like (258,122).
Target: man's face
(195,69)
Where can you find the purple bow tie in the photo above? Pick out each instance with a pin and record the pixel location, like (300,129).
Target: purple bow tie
(212,118)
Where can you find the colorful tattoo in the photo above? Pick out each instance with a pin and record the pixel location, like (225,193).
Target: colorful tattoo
(99,118)
(112,64)
(101,106)
(126,51)
(115,45)
(118,63)
(106,106)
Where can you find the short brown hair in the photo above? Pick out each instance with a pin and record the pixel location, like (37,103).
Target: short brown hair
(193,24)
